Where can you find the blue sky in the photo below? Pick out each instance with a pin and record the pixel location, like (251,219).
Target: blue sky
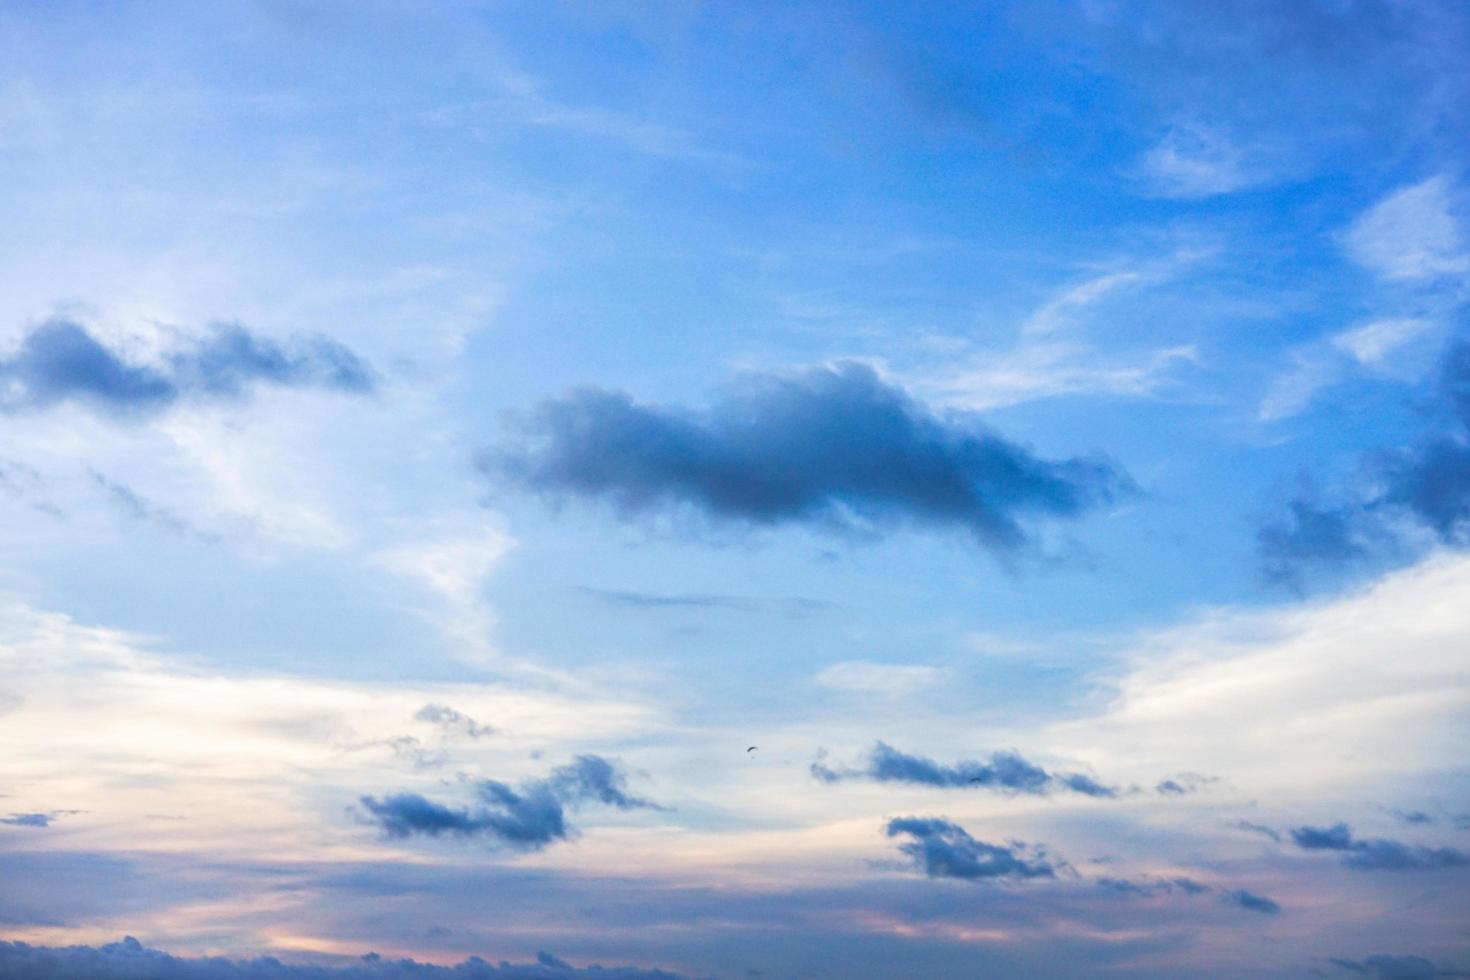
(438,440)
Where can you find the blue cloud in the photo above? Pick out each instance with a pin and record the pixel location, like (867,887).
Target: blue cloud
(28,819)
(60,361)
(829,446)
(1007,772)
(1426,481)
(1396,968)
(528,818)
(131,960)
(945,850)
(1250,901)
(1377,854)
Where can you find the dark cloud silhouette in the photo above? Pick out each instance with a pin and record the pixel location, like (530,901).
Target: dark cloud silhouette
(1376,854)
(833,445)
(60,361)
(1426,483)
(1250,902)
(528,818)
(1007,772)
(1150,887)
(944,850)
(1184,784)
(131,960)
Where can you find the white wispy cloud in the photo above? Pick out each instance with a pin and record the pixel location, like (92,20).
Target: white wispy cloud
(1412,235)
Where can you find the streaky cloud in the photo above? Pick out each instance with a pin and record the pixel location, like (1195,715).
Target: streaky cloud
(1251,902)
(1384,967)
(527,818)
(1005,772)
(61,362)
(129,959)
(942,849)
(1377,854)
(1149,888)
(832,446)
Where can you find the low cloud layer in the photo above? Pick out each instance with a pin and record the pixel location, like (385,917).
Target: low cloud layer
(1376,854)
(528,818)
(61,362)
(942,849)
(831,446)
(131,960)
(1383,967)
(1006,772)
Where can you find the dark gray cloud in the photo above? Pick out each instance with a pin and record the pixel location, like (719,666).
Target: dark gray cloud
(1249,901)
(131,960)
(1376,854)
(60,361)
(1397,968)
(1150,887)
(834,446)
(452,721)
(1007,772)
(527,818)
(944,850)
(1426,482)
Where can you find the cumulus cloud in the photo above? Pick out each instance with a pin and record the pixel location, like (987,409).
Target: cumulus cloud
(131,960)
(61,362)
(1376,854)
(945,850)
(1006,772)
(528,818)
(833,445)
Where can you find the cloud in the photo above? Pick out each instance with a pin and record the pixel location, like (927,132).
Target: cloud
(28,819)
(830,446)
(866,677)
(1193,162)
(452,721)
(130,960)
(944,850)
(1425,483)
(1411,235)
(1397,968)
(1256,828)
(1377,854)
(1250,902)
(62,362)
(1184,784)
(529,818)
(1188,886)
(1007,772)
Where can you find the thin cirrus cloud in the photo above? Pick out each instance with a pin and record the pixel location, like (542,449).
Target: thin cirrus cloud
(129,959)
(942,849)
(1006,772)
(1376,854)
(527,819)
(831,446)
(61,362)
(1412,235)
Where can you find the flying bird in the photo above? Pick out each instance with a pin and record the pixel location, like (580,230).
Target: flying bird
(751,749)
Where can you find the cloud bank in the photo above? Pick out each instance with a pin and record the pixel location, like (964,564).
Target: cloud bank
(131,960)
(833,446)
(1376,854)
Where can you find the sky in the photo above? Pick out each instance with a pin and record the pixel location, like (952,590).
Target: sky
(787,490)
